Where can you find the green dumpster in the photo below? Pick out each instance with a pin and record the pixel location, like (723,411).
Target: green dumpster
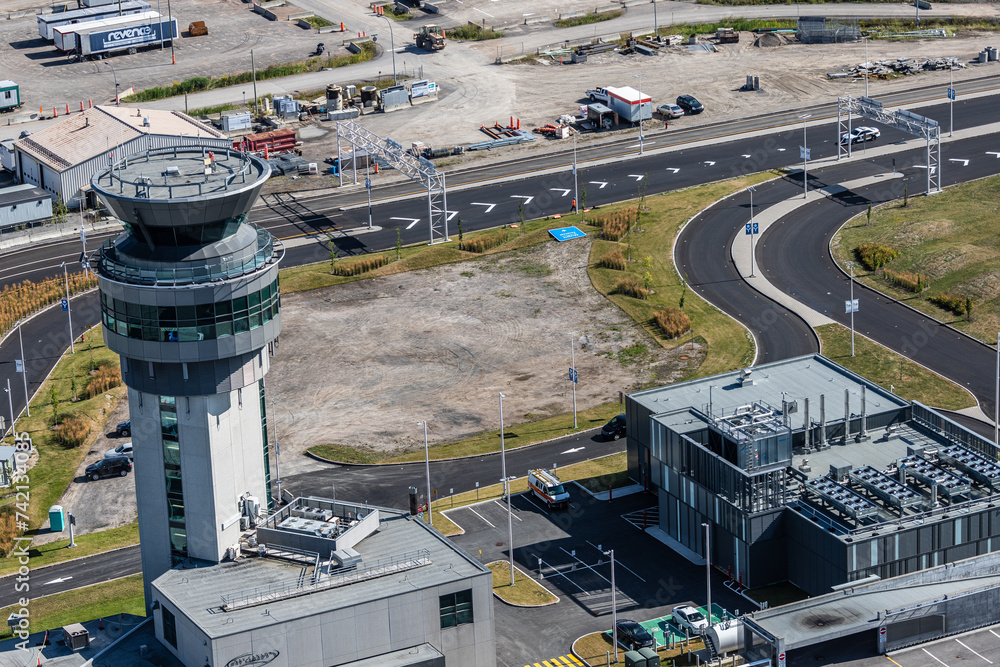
(57,519)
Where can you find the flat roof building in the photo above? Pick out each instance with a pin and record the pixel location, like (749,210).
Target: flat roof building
(809,473)
(323,583)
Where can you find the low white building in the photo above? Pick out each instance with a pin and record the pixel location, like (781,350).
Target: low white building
(340,584)
(23,205)
(61,158)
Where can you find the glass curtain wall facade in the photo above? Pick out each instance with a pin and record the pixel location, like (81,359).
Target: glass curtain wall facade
(172,469)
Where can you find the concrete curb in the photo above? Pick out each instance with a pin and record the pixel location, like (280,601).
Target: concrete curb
(525,606)
(621,492)
(452,458)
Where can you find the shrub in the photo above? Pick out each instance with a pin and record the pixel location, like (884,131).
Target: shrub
(484,243)
(950,302)
(672,322)
(72,431)
(107,376)
(913,282)
(615,225)
(630,286)
(8,528)
(473,32)
(873,256)
(20,300)
(613,260)
(359,266)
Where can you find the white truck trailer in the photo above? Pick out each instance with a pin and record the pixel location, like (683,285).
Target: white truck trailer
(48,22)
(64,36)
(105,40)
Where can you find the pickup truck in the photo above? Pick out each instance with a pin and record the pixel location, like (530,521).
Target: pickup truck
(598,94)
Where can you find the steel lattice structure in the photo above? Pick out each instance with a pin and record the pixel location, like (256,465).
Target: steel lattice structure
(415,168)
(907,121)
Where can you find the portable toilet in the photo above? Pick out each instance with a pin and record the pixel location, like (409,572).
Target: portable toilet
(651,656)
(634,659)
(57,519)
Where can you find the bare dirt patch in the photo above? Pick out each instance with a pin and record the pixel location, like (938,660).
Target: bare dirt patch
(361,363)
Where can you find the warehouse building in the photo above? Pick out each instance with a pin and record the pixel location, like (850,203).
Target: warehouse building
(323,583)
(23,205)
(808,473)
(62,158)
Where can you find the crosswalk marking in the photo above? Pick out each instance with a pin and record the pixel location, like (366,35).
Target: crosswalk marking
(568,660)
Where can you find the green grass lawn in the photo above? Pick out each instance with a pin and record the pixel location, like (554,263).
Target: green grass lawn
(86,545)
(951,239)
(107,600)
(525,591)
(890,370)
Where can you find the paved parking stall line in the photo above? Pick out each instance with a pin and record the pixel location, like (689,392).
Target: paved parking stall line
(534,503)
(994,634)
(482,517)
(561,574)
(505,510)
(935,657)
(973,652)
(589,567)
(618,563)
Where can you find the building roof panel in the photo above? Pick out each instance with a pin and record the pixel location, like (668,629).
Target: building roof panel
(21,194)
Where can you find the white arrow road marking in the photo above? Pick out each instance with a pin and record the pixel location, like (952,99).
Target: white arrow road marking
(574,450)
(709,163)
(673,169)
(993,153)
(644,143)
(58,581)
(965,163)
(747,155)
(526,198)
(600,183)
(489,207)
(637,177)
(781,150)
(451,214)
(413,221)
(924,166)
(564,191)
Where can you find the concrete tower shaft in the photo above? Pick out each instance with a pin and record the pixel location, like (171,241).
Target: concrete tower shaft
(190,302)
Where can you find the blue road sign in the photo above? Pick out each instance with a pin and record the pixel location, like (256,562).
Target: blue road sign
(951,94)
(65,304)
(749,229)
(566,234)
(574,377)
(752,228)
(368,183)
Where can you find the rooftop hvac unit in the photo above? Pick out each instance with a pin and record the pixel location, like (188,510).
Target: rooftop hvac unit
(145,121)
(839,470)
(172,171)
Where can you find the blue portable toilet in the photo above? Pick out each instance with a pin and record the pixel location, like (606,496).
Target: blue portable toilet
(57,519)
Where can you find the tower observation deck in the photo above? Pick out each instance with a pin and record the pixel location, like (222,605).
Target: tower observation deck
(190,302)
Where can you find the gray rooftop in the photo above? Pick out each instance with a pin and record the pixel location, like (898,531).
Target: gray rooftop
(863,607)
(808,376)
(22,194)
(198,592)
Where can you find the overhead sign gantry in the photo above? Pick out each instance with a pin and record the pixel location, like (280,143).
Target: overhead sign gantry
(907,121)
(415,168)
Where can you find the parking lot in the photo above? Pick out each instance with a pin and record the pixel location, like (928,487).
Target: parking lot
(979,647)
(566,547)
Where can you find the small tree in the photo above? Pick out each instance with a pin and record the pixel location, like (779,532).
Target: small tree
(399,244)
(684,287)
(59,211)
(54,398)
(647,281)
(72,387)
(459,231)
(520,214)
(583,198)
(869,215)
(968,308)
(906,195)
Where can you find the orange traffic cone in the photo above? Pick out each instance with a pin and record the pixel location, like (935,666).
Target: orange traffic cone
(67,108)
(55,112)
(376,167)
(341,26)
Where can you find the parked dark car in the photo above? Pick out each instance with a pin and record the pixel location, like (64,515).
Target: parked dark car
(615,428)
(690,105)
(124,428)
(633,636)
(118,465)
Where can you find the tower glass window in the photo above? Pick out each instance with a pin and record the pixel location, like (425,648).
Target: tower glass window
(263,433)
(172,471)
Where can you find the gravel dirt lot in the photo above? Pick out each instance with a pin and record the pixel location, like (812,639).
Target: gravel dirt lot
(362,363)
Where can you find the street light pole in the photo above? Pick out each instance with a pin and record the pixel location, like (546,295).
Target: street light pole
(10,402)
(274,427)
(572,365)
(805,157)
(392,47)
(639,76)
(427,467)
(708,572)
(614,604)
(996,398)
(118,100)
(866,66)
(506,483)
(951,101)
(24,371)
(69,312)
(752,234)
(851,266)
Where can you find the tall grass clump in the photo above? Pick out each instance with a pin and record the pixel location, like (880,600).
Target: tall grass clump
(359,266)
(912,282)
(587,19)
(950,302)
(873,256)
(614,260)
(672,322)
(107,376)
(473,32)
(72,431)
(631,286)
(20,300)
(615,225)
(483,243)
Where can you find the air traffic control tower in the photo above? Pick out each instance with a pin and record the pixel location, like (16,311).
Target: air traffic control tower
(189,298)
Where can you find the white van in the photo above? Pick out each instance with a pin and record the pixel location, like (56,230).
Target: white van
(547,487)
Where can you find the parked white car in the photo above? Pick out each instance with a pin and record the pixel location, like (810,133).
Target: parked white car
(124,449)
(691,619)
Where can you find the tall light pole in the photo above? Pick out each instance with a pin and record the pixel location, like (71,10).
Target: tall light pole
(708,572)
(24,371)
(752,190)
(10,403)
(506,484)
(614,604)
(274,427)
(572,369)
(427,468)
(118,100)
(392,47)
(866,65)
(951,100)
(805,156)
(710,388)
(69,313)
(576,182)
(996,397)
(639,76)
(851,307)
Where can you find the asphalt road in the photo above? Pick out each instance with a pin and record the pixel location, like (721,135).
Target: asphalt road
(72,574)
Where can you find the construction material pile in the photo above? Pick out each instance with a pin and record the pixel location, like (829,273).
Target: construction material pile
(905,66)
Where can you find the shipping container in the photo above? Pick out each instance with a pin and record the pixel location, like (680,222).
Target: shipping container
(279,140)
(128,36)
(10,96)
(48,22)
(64,36)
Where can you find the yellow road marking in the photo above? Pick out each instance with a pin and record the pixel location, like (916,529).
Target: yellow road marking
(893,661)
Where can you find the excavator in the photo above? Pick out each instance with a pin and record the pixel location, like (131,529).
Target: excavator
(430,37)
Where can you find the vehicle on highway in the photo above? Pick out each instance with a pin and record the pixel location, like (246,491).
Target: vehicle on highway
(633,636)
(691,619)
(119,465)
(690,105)
(124,449)
(860,135)
(614,429)
(670,111)
(124,428)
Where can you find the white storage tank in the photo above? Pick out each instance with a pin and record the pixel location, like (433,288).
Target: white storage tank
(727,637)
